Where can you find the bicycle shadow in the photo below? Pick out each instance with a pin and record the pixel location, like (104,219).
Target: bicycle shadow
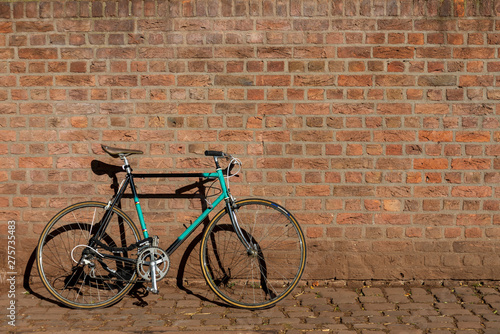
(33,285)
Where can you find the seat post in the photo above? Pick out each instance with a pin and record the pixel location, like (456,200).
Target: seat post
(126,165)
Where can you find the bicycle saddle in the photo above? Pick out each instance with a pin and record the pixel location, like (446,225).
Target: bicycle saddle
(116,152)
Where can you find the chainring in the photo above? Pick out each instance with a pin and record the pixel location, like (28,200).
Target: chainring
(148,255)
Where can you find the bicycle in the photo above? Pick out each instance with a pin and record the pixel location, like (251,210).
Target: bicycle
(252,253)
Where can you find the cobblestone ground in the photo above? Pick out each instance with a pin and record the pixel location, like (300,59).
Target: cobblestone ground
(448,307)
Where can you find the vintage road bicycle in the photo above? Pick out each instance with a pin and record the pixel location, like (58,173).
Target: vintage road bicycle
(91,254)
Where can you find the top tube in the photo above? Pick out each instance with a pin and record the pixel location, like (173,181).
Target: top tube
(174,175)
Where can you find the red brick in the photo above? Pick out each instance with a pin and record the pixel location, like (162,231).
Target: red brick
(392,246)
(391,80)
(315,232)
(273,80)
(316,190)
(394,136)
(473,219)
(432,109)
(470,163)
(473,53)
(38,53)
(279,163)
(39,189)
(436,136)
(118,80)
(394,52)
(394,109)
(472,109)
(353,218)
(6,27)
(352,108)
(157,80)
(76,53)
(473,136)
(314,80)
(119,135)
(393,163)
(471,191)
(353,136)
(75,80)
(114,25)
(119,53)
(430,163)
(312,109)
(236,135)
(394,24)
(355,80)
(73,25)
(476,81)
(34,26)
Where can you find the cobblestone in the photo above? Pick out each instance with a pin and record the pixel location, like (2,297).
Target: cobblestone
(385,309)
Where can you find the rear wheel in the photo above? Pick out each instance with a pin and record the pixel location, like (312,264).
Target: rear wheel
(266,273)
(81,276)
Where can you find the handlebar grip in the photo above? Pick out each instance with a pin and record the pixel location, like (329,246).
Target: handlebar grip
(214,154)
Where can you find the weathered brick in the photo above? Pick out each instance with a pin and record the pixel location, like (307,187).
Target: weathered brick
(314,80)
(473,53)
(118,53)
(473,136)
(431,163)
(74,25)
(152,53)
(38,53)
(114,25)
(157,80)
(471,164)
(394,136)
(34,26)
(118,80)
(75,80)
(471,191)
(354,80)
(394,52)
(8,81)
(436,136)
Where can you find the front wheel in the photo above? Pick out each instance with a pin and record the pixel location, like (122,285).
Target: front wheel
(79,273)
(266,269)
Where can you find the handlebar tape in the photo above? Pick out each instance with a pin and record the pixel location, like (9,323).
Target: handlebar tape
(214,154)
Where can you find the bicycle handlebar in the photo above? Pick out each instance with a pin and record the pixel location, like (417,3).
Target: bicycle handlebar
(215,154)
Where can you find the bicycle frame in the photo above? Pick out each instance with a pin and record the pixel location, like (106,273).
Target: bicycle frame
(129,181)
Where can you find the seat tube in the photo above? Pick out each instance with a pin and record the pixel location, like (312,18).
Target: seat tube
(138,207)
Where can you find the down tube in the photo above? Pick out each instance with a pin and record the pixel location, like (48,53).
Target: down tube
(194,225)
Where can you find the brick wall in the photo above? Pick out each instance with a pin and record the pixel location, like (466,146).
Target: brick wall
(375,121)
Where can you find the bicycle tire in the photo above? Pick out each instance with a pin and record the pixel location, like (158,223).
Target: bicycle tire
(258,280)
(62,245)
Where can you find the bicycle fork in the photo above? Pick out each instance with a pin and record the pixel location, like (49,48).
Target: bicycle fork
(251,248)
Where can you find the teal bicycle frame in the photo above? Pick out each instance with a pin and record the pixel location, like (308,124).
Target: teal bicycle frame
(129,181)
